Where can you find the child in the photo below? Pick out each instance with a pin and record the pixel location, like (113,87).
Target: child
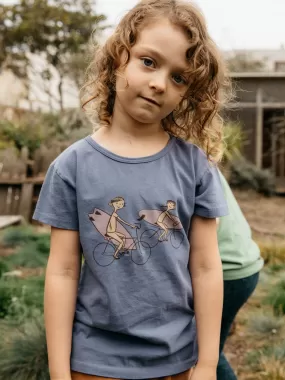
(155,84)
(241,266)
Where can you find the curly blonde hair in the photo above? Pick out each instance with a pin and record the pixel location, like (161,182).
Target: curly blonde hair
(197,118)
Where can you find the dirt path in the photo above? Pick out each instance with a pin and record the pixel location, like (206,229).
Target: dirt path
(266,216)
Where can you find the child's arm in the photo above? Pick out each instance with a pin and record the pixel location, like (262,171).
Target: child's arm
(123,221)
(207,281)
(61,285)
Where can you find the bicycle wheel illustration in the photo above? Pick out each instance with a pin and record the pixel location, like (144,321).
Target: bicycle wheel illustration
(141,255)
(103,254)
(150,236)
(176,238)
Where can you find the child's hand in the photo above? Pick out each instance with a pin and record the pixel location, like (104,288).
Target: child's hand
(204,373)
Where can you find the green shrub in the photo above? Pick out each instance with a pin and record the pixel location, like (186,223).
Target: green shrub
(4,267)
(43,244)
(267,363)
(276,298)
(38,128)
(274,351)
(15,236)
(23,356)
(274,268)
(34,292)
(245,175)
(33,251)
(234,139)
(6,296)
(265,324)
(31,255)
(21,298)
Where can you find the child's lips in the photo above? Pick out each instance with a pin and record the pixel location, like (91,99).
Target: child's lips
(152,101)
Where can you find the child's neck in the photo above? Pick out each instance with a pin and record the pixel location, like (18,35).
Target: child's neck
(139,135)
(129,138)
(130,145)
(125,126)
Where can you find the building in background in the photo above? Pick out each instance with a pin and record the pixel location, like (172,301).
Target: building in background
(38,92)
(260,109)
(271,60)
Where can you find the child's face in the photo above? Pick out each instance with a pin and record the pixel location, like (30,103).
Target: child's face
(154,73)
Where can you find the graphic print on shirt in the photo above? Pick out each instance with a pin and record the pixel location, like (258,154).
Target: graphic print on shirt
(167,222)
(119,242)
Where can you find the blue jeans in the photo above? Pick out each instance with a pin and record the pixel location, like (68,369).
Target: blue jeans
(236,293)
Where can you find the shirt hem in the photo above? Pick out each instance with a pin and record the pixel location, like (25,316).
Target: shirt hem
(214,213)
(131,373)
(238,274)
(54,222)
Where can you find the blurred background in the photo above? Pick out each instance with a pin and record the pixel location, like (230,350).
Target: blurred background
(43,56)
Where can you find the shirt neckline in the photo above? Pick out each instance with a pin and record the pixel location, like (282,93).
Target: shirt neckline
(131,160)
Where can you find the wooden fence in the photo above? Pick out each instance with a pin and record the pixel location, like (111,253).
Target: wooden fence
(21,178)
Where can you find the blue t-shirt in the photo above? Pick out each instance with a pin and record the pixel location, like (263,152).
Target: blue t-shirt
(134,316)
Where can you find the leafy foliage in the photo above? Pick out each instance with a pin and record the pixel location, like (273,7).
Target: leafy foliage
(276,298)
(21,298)
(4,267)
(36,129)
(65,28)
(23,356)
(234,139)
(15,236)
(245,175)
(244,62)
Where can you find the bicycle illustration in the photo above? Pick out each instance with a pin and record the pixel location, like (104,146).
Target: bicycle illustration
(117,240)
(168,229)
(138,250)
(107,251)
(152,236)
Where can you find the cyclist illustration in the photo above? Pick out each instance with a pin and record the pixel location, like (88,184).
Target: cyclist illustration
(170,205)
(112,226)
(169,226)
(118,242)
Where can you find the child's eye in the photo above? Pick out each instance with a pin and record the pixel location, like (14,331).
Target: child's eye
(148,62)
(179,79)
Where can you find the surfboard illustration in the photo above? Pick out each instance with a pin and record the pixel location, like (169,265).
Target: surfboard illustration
(151,217)
(100,220)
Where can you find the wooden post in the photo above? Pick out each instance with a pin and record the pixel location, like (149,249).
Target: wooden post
(259,129)
(273,149)
(25,207)
(282,156)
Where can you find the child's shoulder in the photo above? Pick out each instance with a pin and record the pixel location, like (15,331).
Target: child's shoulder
(192,154)
(66,162)
(190,148)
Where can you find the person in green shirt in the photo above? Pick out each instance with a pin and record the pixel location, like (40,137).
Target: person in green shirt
(241,266)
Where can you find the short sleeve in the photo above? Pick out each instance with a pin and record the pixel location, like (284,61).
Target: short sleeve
(210,201)
(57,204)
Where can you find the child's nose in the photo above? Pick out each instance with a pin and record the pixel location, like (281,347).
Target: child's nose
(158,82)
